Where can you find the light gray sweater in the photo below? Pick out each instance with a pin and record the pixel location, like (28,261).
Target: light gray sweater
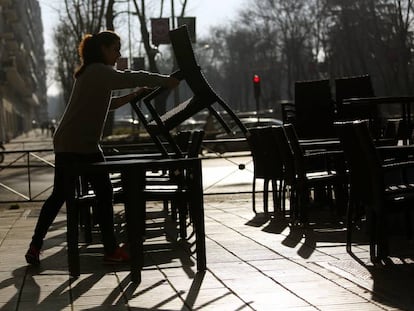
(81,126)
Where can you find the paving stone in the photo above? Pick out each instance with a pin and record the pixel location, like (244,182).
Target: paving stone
(255,262)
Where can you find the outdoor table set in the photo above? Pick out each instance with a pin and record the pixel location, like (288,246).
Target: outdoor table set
(171,158)
(374,136)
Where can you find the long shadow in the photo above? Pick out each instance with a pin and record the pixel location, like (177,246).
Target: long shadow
(29,291)
(23,279)
(392,280)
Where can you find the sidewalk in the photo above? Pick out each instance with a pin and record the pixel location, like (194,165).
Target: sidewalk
(254,263)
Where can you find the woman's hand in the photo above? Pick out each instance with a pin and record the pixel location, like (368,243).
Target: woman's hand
(172,82)
(142,91)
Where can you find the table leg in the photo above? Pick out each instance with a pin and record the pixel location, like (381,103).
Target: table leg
(72,235)
(197,212)
(133,183)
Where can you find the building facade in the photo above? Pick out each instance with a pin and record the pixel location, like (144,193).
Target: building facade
(23,98)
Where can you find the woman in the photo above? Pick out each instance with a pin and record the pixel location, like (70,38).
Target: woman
(76,140)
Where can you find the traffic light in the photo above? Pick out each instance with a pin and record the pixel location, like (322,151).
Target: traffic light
(256,86)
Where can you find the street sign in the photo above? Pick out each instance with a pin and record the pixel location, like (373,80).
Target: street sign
(160,28)
(191,26)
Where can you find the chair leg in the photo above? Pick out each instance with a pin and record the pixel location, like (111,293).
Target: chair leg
(276,197)
(372,237)
(72,221)
(165,206)
(294,204)
(254,195)
(87,223)
(282,190)
(266,196)
(382,241)
(349,214)
(283,196)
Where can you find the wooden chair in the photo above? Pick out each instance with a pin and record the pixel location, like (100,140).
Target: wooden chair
(377,190)
(267,165)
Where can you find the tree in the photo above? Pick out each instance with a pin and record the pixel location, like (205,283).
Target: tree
(373,37)
(152,51)
(78,19)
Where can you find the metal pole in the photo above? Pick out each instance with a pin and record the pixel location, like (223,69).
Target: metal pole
(172,14)
(28,176)
(176,90)
(129,34)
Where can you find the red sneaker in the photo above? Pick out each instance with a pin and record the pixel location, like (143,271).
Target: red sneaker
(118,256)
(32,256)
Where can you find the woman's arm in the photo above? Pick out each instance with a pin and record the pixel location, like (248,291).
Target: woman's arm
(117,102)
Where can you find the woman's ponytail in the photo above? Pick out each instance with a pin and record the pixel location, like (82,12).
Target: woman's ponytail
(90,48)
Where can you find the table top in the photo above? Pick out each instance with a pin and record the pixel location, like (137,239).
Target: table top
(379,100)
(140,163)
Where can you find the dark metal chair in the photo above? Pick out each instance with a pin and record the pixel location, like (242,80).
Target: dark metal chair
(301,180)
(361,87)
(353,87)
(204,97)
(377,190)
(314,109)
(267,165)
(169,187)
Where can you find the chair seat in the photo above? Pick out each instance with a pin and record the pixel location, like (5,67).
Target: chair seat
(402,196)
(322,179)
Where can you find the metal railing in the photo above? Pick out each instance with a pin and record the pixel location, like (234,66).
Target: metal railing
(16,178)
(19,165)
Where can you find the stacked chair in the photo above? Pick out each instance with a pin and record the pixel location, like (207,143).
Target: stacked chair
(301,177)
(267,165)
(160,126)
(167,186)
(379,190)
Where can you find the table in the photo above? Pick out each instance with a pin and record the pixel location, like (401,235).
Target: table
(404,101)
(133,173)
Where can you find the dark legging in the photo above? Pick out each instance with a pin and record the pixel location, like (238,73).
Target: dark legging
(64,188)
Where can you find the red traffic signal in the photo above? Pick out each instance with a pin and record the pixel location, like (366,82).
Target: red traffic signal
(256,86)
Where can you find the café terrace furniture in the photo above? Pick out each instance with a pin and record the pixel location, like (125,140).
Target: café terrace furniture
(378,190)
(133,170)
(302,178)
(204,97)
(267,165)
(353,87)
(402,105)
(133,178)
(314,109)
(168,186)
(165,182)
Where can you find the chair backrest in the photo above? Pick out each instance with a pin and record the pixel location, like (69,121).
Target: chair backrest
(159,126)
(266,158)
(183,140)
(362,159)
(297,152)
(352,87)
(288,112)
(186,61)
(196,142)
(314,109)
(286,154)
